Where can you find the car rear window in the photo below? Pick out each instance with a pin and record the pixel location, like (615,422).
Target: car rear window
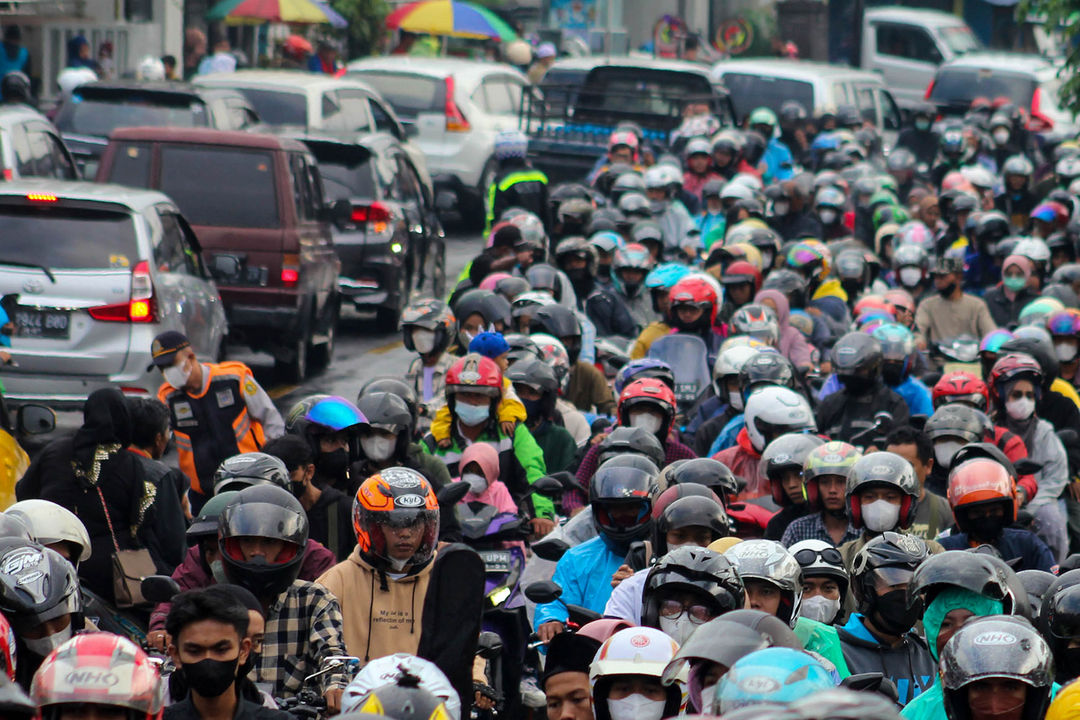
(62,238)
(98,117)
(634,90)
(408,94)
(346,170)
(749,91)
(277,107)
(959,86)
(221,187)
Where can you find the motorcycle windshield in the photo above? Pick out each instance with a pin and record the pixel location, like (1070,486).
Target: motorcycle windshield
(687,357)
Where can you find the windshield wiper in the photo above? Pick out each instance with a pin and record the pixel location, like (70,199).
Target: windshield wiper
(42,268)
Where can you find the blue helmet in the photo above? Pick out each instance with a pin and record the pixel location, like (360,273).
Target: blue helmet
(643,368)
(897,346)
(665,275)
(772,675)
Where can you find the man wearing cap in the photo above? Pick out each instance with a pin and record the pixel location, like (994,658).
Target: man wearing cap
(951,312)
(566,677)
(545,57)
(216,410)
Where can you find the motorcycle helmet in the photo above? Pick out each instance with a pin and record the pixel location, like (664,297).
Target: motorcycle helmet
(390,668)
(698,292)
(770,562)
(840,703)
(691,511)
(36,585)
(818,558)
(978,483)
(774,411)
(961,387)
(388,413)
(951,427)
(394,386)
(718,642)
(832,458)
(540,377)
(767,368)
(644,368)
(403,699)
(9,654)
(319,415)
(427,326)
(621,502)
(395,497)
(474,374)
(15,87)
(633,257)
(780,675)
(968,571)
(912,264)
(247,469)
(648,393)
(639,441)
(757,321)
(710,473)
(857,361)
(634,651)
(883,468)
(661,279)
(543,277)
(786,453)
(263,511)
(1010,368)
(888,559)
(554,354)
(897,349)
(49,523)
(810,258)
(1036,583)
(729,364)
(790,283)
(11,526)
(708,576)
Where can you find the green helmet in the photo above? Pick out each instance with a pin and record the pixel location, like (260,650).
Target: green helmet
(882,197)
(888,182)
(889,214)
(205,523)
(762,116)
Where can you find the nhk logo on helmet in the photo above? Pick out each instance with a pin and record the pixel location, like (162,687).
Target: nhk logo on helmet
(995,638)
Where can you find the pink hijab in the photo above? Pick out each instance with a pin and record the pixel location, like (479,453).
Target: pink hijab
(792,344)
(496,493)
(1021,262)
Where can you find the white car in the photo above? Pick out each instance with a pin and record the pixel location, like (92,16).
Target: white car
(314,101)
(455,107)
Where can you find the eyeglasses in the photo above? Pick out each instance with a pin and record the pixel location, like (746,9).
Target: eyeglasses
(807,556)
(673,609)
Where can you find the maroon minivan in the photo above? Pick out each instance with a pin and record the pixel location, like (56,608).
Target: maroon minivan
(256,204)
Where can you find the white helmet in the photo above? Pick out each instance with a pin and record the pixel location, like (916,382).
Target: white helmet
(728,363)
(773,563)
(1034,249)
(737,191)
(656,178)
(150,69)
(751,181)
(672,175)
(773,411)
(51,523)
(386,670)
(71,78)
(818,558)
(978,176)
(633,651)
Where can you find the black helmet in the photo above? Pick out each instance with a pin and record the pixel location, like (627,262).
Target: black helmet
(766,368)
(634,462)
(511,287)
(539,376)
(901,159)
(638,441)
(15,88)
(996,647)
(269,512)
(1036,583)
(613,488)
(579,247)
(430,316)
(205,524)
(787,452)
(857,359)
(883,468)
(607,218)
(895,557)
(394,386)
(693,569)
(37,584)
(389,413)
(713,474)
(247,469)
(990,227)
(776,630)
(957,420)
(542,276)
(712,188)
(690,511)
(792,111)
(792,284)
(555,320)
(969,571)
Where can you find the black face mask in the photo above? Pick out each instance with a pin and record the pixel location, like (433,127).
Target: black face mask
(891,614)
(986,529)
(857,384)
(532,409)
(334,464)
(1069,659)
(250,664)
(603,270)
(632,289)
(892,373)
(210,678)
(573,350)
(947,291)
(297,488)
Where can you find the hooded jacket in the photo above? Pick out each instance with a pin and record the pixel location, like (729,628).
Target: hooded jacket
(792,344)
(743,460)
(842,415)
(584,574)
(909,665)
(496,493)
(1004,304)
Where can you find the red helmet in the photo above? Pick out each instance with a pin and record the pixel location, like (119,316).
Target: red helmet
(962,386)
(980,481)
(741,271)
(99,669)
(900,298)
(648,391)
(1014,366)
(697,291)
(7,647)
(475,374)
(873,302)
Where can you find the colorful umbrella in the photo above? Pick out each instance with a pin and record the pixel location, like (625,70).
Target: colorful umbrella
(260,11)
(450,17)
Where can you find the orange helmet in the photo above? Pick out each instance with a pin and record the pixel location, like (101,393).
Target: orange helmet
(98,669)
(396,497)
(979,481)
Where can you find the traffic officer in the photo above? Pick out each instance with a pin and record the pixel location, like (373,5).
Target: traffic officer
(517,183)
(216,410)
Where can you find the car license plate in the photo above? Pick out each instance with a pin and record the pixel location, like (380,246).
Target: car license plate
(496,560)
(31,322)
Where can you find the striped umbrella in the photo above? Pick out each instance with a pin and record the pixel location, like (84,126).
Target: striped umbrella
(452,18)
(260,11)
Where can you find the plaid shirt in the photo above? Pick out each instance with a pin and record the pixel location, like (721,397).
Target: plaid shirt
(303,627)
(812,527)
(573,499)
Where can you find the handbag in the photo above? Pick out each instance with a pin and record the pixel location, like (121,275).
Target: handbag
(129,567)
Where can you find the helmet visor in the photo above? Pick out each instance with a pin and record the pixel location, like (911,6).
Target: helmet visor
(264,520)
(336,414)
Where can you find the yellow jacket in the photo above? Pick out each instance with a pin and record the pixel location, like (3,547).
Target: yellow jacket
(652,332)
(509,409)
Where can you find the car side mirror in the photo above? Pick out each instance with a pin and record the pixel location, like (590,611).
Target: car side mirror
(225,266)
(543,591)
(158,588)
(341,214)
(35,420)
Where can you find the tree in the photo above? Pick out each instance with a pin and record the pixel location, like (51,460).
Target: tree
(1061,19)
(366,24)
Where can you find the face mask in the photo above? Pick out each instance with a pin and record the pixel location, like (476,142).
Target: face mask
(646,421)
(948,290)
(332,464)
(532,409)
(1001,136)
(377,447)
(735,399)
(922,124)
(767,259)
(631,289)
(828,217)
(210,678)
(472,415)
(1015,283)
(892,614)
(176,375)
(708,698)
(880,515)
(579,277)
(678,629)
(635,707)
(944,452)
(217,569)
(1020,409)
(477,483)
(910,276)
(44,646)
(781,208)
(819,608)
(857,384)
(987,529)
(1070,661)
(892,373)
(1066,352)
(250,664)
(657,207)
(423,340)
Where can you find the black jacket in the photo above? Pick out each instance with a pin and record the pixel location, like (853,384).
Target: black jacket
(923,144)
(608,314)
(909,665)
(779,522)
(842,416)
(797,225)
(1004,311)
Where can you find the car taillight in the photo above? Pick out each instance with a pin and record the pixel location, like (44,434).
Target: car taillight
(9,173)
(455,121)
(290,269)
(41,197)
(376,216)
(141,308)
(929,90)
(1038,121)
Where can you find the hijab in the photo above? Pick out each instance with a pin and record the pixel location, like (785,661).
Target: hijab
(792,344)
(1025,265)
(106,424)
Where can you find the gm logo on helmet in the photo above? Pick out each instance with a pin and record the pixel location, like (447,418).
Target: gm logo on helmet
(409,501)
(995,638)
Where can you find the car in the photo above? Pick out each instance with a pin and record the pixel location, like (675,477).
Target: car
(1029,81)
(818,87)
(96,109)
(393,240)
(31,146)
(255,201)
(315,101)
(90,274)
(455,107)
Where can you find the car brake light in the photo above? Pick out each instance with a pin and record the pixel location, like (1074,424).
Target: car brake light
(8,174)
(1038,121)
(376,215)
(929,90)
(290,269)
(455,121)
(41,197)
(141,308)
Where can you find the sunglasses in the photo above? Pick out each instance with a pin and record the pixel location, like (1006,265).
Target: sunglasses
(673,609)
(807,556)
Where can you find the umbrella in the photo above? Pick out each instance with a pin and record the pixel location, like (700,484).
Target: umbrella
(333,16)
(450,17)
(260,11)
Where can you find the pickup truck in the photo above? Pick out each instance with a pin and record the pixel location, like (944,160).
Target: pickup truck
(582,100)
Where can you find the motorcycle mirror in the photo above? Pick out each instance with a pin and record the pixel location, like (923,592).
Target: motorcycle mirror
(548,486)
(543,591)
(550,548)
(158,588)
(452,494)
(489,646)
(1027,467)
(35,420)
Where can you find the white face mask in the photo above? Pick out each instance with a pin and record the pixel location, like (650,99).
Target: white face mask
(680,629)
(635,707)
(708,698)
(378,447)
(1020,409)
(1001,136)
(1066,352)
(944,452)
(827,216)
(781,208)
(910,276)
(177,375)
(735,399)
(423,340)
(44,646)
(820,608)
(646,421)
(880,515)
(477,483)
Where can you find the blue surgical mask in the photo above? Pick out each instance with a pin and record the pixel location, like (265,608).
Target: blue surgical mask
(472,415)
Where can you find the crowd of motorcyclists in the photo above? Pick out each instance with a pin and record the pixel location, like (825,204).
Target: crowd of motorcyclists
(763,424)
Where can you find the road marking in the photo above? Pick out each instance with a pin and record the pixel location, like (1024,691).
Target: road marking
(388,347)
(281,391)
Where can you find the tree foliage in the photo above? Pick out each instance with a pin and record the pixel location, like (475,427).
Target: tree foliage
(366,24)
(1061,19)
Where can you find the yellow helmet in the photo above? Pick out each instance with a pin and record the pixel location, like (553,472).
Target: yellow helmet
(1066,704)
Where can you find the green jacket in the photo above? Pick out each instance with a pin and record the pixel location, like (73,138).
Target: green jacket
(558,446)
(822,639)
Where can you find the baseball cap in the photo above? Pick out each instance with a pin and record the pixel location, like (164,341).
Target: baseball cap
(165,346)
(546,50)
(947,264)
